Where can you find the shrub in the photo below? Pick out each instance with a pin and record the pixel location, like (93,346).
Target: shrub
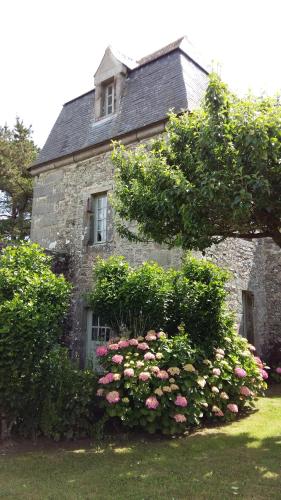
(33,303)
(136,298)
(167,384)
(64,398)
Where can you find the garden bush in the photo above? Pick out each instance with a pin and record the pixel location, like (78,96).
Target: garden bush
(64,397)
(169,385)
(135,298)
(33,304)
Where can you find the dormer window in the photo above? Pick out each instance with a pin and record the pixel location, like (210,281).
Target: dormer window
(109,99)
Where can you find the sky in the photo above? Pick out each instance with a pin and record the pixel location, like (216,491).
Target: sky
(51,49)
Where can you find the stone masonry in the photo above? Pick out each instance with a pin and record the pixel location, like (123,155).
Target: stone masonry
(75,165)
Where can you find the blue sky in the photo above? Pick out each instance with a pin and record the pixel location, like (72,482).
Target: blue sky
(51,49)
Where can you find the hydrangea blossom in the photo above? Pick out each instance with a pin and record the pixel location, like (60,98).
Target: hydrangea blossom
(173,370)
(278,370)
(113,397)
(117,358)
(179,418)
(129,372)
(152,403)
(162,374)
(143,346)
(123,343)
(113,347)
(149,356)
(189,368)
(264,374)
(181,401)
(232,407)
(240,372)
(133,342)
(216,372)
(107,379)
(245,391)
(144,376)
(101,351)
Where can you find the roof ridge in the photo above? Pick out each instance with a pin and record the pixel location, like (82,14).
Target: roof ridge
(162,51)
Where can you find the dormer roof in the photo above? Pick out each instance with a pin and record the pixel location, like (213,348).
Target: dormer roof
(170,78)
(113,63)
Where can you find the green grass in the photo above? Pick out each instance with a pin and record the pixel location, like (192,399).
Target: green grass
(241,459)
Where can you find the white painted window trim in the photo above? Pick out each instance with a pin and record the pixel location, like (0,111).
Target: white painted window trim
(99,218)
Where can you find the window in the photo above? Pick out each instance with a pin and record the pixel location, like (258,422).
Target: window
(98,211)
(99,333)
(109,99)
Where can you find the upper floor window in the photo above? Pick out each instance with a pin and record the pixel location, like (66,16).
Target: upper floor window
(98,218)
(109,99)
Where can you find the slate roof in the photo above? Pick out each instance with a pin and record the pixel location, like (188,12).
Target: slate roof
(167,79)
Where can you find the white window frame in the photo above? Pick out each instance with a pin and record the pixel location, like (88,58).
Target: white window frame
(99,219)
(109,99)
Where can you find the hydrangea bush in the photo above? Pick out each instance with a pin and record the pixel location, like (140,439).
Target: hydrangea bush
(168,385)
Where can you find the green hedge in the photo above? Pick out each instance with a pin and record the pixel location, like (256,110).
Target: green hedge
(136,298)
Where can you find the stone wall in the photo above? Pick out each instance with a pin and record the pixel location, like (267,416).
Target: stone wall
(60,223)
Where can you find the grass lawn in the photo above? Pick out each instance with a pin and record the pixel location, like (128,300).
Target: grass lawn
(241,459)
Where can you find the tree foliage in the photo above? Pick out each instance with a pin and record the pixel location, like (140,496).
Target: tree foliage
(215,174)
(17,152)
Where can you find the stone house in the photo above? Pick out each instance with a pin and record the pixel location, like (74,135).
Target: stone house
(73,177)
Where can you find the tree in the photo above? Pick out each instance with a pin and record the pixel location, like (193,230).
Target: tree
(215,174)
(17,152)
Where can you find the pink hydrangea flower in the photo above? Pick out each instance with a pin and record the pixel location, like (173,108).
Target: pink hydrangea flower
(133,342)
(162,374)
(144,376)
(113,347)
(101,351)
(152,403)
(181,401)
(123,343)
(129,372)
(179,418)
(264,374)
(149,356)
(278,370)
(107,379)
(219,413)
(216,372)
(151,335)
(258,361)
(117,358)
(116,376)
(240,372)
(154,369)
(232,407)
(113,397)
(143,346)
(245,391)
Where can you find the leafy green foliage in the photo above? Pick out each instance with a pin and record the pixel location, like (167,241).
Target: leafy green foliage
(133,298)
(64,398)
(33,304)
(17,152)
(215,174)
(168,384)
